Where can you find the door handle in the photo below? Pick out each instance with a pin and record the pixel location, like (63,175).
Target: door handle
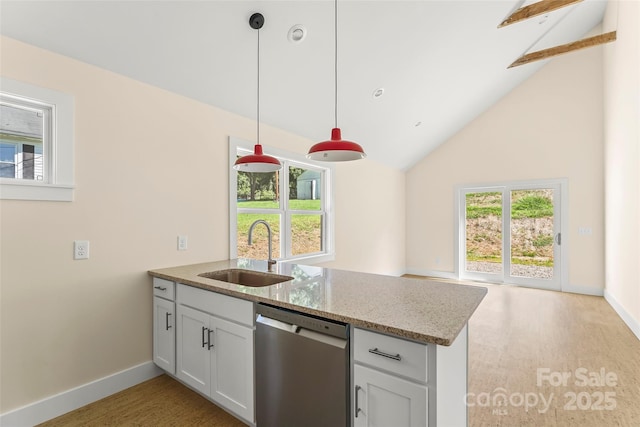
(358,410)
(559,238)
(167,320)
(209,344)
(203,341)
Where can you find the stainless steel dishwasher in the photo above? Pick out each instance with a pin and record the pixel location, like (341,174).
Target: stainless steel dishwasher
(302,370)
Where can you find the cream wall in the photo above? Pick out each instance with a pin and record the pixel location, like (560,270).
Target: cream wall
(149,165)
(372,208)
(548,127)
(622,161)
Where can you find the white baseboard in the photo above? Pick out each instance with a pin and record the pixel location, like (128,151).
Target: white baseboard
(633,324)
(59,404)
(584,290)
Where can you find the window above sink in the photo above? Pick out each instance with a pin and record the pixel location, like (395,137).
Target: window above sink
(296,202)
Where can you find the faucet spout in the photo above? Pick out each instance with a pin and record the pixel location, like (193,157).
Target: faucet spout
(270,261)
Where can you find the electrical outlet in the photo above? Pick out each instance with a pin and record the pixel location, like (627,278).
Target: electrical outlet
(182,243)
(81,249)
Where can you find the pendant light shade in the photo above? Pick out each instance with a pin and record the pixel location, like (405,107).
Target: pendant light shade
(258,161)
(336,149)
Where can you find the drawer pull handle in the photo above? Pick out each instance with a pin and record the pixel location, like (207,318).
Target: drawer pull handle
(203,333)
(383,354)
(358,410)
(209,343)
(160,288)
(167,320)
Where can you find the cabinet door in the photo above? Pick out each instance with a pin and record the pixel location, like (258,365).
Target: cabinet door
(232,367)
(193,355)
(382,400)
(164,334)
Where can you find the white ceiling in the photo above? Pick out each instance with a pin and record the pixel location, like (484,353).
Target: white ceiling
(441,63)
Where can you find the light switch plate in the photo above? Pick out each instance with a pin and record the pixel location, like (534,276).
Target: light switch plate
(182,243)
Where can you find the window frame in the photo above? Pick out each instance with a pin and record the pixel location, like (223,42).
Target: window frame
(58,144)
(326,191)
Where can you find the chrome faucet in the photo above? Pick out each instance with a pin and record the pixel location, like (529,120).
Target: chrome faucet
(270,261)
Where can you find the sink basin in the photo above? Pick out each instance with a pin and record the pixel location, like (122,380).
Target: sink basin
(252,278)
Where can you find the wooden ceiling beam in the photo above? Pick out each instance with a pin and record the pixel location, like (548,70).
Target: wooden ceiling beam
(565,48)
(535,9)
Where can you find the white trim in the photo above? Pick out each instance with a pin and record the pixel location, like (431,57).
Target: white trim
(626,317)
(33,191)
(560,185)
(60,175)
(61,403)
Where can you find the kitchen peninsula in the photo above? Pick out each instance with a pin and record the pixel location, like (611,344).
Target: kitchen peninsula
(408,347)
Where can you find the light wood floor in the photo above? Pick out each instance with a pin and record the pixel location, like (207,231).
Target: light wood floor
(514,333)
(161,401)
(518,333)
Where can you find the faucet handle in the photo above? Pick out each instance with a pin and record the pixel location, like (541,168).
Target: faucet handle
(270,264)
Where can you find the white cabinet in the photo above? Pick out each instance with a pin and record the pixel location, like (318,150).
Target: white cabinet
(390,381)
(194,357)
(232,367)
(386,400)
(164,331)
(164,342)
(214,354)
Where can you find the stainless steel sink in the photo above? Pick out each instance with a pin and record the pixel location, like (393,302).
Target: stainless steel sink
(252,278)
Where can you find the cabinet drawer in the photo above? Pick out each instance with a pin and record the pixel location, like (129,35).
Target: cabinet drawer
(164,288)
(391,354)
(220,305)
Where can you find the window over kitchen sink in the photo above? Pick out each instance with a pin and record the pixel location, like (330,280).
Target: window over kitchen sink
(295,201)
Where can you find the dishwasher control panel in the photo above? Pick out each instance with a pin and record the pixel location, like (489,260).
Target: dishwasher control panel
(303,320)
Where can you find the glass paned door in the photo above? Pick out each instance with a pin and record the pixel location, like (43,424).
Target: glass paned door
(534,237)
(511,234)
(483,233)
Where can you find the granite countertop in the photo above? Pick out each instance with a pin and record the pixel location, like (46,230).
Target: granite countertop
(416,309)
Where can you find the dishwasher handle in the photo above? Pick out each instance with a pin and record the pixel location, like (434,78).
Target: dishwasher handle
(263,321)
(296,321)
(277,324)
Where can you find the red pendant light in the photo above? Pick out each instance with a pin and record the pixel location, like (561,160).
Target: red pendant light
(336,149)
(258,161)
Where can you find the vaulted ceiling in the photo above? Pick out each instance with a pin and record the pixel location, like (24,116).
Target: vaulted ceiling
(440,63)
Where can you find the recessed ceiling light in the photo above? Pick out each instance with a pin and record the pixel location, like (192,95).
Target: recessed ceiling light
(378,92)
(297,33)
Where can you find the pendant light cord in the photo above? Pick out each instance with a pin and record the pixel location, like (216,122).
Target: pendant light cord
(258,95)
(335,60)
